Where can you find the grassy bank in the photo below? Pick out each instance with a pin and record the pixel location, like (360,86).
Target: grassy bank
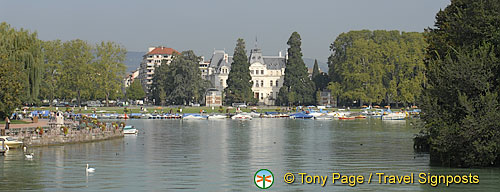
(15,122)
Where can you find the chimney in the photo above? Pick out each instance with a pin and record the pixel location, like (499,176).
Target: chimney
(226,57)
(280,53)
(286,56)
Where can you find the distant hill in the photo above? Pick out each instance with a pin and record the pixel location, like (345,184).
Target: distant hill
(310,64)
(133,60)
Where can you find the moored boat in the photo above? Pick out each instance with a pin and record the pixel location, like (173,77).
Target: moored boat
(129,129)
(217,116)
(241,117)
(10,142)
(193,116)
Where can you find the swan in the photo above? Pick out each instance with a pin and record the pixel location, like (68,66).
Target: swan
(30,156)
(89,170)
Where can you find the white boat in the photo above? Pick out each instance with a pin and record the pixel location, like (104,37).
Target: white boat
(242,117)
(394,116)
(338,114)
(217,116)
(324,117)
(193,116)
(129,129)
(10,142)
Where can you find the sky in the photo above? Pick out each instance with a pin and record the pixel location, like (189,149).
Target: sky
(205,25)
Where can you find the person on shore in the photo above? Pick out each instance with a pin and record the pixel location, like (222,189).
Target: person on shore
(7,124)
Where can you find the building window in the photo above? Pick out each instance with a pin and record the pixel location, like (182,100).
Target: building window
(277,85)
(262,83)
(271,83)
(251,72)
(271,95)
(256,72)
(262,72)
(257,83)
(261,95)
(222,83)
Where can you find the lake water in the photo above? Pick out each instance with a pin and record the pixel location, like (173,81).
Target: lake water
(224,155)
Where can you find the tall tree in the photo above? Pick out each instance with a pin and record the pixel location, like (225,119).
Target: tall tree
(52,51)
(25,49)
(111,69)
(239,85)
(320,79)
(180,81)
(135,91)
(76,77)
(460,100)
(297,88)
(378,66)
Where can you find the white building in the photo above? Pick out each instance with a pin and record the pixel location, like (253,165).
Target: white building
(131,77)
(152,60)
(267,73)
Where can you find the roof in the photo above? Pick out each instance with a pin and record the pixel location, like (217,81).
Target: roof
(162,51)
(271,62)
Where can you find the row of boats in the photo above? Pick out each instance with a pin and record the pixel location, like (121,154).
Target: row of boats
(307,114)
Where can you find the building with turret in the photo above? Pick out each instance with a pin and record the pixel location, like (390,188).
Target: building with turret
(267,73)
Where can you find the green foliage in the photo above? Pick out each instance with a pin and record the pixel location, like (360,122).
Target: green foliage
(180,82)
(51,73)
(11,84)
(239,85)
(23,48)
(110,69)
(297,88)
(135,91)
(320,80)
(460,100)
(378,66)
(77,74)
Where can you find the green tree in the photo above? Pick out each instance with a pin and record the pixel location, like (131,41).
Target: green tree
(378,66)
(25,49)
(320,79)
(110,68)
(239,85)
(11,78)
(52,51)
(180,81)
(135,91)
(77,73)
(460,99)
(297,88)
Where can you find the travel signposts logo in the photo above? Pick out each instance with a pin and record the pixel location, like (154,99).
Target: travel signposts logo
(264,179)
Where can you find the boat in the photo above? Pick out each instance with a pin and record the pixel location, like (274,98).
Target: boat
(360,117)
(129,129)
(193,116)
(217,116)
(346,118)
(10,142)
(324,117)
(394,116)
(124,116)
(300,116)
(241,117)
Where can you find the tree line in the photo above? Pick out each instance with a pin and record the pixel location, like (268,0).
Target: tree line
(32,70)
(377,67)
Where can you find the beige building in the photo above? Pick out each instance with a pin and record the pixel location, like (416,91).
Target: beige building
(267,73)
(152,60)
(131,77)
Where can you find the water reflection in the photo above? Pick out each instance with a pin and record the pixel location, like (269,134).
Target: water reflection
(223,155)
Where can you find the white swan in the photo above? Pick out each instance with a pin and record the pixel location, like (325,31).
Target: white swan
(30,156)
(89,170)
